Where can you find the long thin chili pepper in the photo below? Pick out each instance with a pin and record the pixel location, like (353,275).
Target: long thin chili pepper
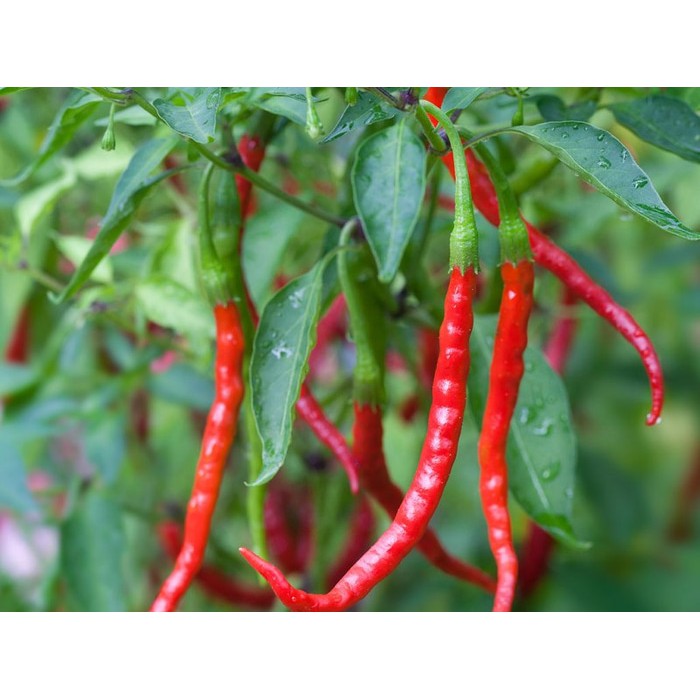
(507,368)
(327,433)
(442,438)
(375,479)
(213,581)
(221,423)
(547,254)
(539,544)
(367,325)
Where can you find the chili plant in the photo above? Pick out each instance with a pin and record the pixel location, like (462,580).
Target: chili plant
(393,347)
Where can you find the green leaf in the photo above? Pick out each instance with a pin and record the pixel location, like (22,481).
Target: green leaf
(604,163)
(33,205)
(183,385)
(77,109)
(171,305)
(92,545)
(283,343)
(541,450)
(14,492)
(134,184)
(266,239)
(664,121)
(388,183)
(286,102)
(191,115)
(461,97)
(16,377)
(76,248)
(105,444)
(553,108)
(367,110)
(134,115)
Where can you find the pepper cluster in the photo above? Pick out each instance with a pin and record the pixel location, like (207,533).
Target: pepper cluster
(445,366)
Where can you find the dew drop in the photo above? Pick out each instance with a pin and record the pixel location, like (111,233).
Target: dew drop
(600,137)
(281,351)
(544,429)
(640,182)
(603,162)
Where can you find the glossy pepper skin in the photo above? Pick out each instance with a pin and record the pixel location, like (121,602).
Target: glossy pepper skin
(436,460)
(376,481)
(327,433)
(507,369)
(219,433)
(563,266)
(211,580)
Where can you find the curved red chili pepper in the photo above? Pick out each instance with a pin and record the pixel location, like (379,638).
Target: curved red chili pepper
(212,580)
(375,479)
(559,263)
(219,433)
(311,412)
(563,266)
(507,369)
(436,460)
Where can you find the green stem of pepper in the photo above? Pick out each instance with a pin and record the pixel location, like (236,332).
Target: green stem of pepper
(366,320)
(464,239)
(514,239)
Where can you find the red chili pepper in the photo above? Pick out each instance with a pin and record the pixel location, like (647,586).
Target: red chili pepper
(213,581)
(218,437)
(563,266)
(559,344)
(252,151)
(437,458)
(507,369)
(311,412)
(18,347)
(375,479)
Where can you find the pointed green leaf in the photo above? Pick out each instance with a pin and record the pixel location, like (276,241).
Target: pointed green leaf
(541,445)
(604,163)
(76,248)
(287,102)
(92,545)
(664,121)
(14,492)
(388,183)
(16,377)
(77,109)
(105,443)
(134,184)
(461,97)
(284,340)
(196,118)
(34,204)
(367,110)
(171,305)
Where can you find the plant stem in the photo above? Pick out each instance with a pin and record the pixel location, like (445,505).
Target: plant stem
(384,95)
(435,140)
